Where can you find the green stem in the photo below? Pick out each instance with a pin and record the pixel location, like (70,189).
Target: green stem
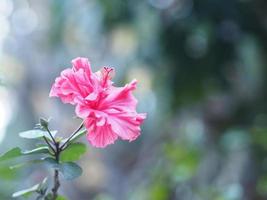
(72,135)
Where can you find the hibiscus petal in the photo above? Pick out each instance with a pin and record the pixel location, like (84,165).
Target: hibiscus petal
(100,136)
(77,83)
(92,96)
(126,125)
(65,87)
(82,111)
(81,63)
(120,98)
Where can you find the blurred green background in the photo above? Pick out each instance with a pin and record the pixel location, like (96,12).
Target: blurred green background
(201,67)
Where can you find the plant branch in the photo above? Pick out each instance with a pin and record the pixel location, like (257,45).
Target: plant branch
(56,185)
(57,150)
(56,174)
(48,143)
(54,141)
(71,136)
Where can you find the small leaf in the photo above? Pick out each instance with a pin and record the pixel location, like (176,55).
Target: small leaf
(73,152)
(43,187)
(70,170)
(44,122)
(43,149)
(26,192)
(39,188)
(36,133)
(12,153)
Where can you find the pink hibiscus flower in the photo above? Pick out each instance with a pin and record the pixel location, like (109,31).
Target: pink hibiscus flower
(109,112)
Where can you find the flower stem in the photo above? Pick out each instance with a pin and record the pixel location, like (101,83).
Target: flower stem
(57,150)
(56,173)
(50,146)
(72,135)
(49,132)
(56,185)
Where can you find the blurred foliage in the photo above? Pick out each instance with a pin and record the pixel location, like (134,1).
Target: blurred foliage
(182,160)
(201,67)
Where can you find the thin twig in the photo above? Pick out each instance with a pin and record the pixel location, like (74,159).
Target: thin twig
(72,135)
(54,141)
(48,143)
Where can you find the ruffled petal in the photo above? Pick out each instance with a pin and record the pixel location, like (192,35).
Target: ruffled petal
(65,87)
(77,83)
(82,63)
(126,125)
(99,136)
(120,98)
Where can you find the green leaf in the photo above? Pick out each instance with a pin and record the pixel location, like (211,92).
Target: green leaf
(34,134)
(52,162)
(43,186)
(30,162)
(60,198)
(12,153)
(16,152)
(49,196)
(43,149)
(8,174)
(76,137)
(73,152)
(26,192)
(39,188)
(70,170)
